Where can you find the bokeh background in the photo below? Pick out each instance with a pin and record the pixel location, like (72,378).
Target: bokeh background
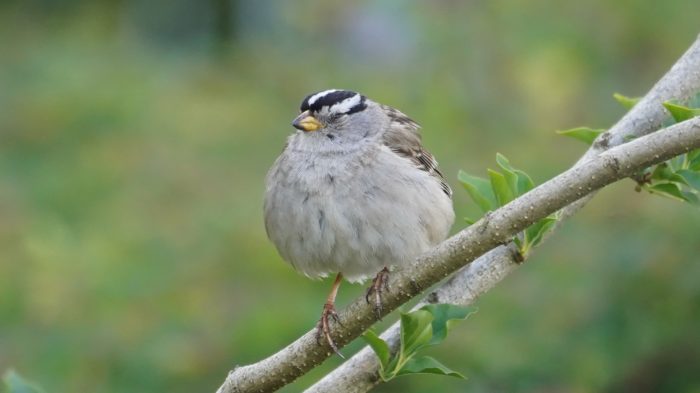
(135,136)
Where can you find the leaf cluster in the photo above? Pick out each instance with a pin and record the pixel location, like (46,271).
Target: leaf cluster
(420,329)
(503,186)
(678,178)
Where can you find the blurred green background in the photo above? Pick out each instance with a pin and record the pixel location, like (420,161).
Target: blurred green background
(135,136)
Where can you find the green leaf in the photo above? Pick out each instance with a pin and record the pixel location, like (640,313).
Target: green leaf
(427,365)
(525,183)
(584,134)
(627,102)
(508,173)
(16,384)
(504,163)
(676,178)
(443,315)
(694,160)
(469,221)
(677,162)
(662,172)
(680,112)
(416,331)
(691,178)
(479,190)
(518,181)
(691,198)
(535,231)
(379,346)
(500,187)
(670,190)
(693,154)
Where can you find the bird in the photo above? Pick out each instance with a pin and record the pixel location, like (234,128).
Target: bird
(354,193)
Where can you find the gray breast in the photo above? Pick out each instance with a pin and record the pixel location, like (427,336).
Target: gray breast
(352,212)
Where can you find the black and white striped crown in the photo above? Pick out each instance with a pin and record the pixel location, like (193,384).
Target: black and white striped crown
(337,101)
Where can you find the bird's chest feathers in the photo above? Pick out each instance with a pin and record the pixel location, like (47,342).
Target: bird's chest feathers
(328,173)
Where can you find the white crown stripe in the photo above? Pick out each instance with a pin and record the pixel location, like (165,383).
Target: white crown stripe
(346,104)
(316,96)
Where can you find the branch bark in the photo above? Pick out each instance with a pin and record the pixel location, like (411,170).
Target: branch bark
(593,172)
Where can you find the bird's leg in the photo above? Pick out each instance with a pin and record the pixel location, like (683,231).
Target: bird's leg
(323,327)
(379,285)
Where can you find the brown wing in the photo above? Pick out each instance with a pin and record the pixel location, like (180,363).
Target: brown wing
(402,138)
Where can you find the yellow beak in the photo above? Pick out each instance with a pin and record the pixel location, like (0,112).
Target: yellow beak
(306,122)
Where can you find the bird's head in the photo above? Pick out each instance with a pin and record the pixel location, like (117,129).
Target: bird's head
(338,113)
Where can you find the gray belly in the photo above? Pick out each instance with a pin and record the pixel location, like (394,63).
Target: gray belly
(339,220)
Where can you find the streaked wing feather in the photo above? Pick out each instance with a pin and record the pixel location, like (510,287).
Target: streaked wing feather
(402,138)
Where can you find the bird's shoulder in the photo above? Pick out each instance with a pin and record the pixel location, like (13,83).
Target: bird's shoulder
(402,137)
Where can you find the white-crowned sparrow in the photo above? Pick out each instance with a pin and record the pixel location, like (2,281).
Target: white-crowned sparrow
(354,193)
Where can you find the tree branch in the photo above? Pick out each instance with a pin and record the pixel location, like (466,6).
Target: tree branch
(493,230)
(359,374)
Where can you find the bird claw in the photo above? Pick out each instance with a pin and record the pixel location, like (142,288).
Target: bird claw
(323,328)
(380,283)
